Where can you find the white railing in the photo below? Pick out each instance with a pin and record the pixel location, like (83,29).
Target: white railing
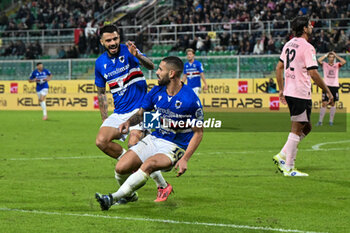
(257,66)
(156,33)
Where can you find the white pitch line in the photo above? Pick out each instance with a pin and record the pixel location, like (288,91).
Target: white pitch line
(198,153)
(317,146)
(54,158)
(158,220)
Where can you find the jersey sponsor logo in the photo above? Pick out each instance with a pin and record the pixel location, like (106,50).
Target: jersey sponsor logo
(274,103)
(116,71)
(96,106)
(243,87)
(14,88)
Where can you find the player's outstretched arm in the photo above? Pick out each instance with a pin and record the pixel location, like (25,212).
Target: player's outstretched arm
(102,102)
(34,80)
(319,82)
(184,78)
(133,120)
(204,81)
(342,60)
(279,77)
(320,59)
(49,78)
(181,165)
(145,61)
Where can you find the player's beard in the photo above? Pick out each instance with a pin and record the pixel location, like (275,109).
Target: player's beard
(109,48)
(163,81)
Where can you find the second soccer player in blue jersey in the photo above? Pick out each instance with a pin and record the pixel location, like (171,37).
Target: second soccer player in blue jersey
(194,73)
(166,146)
(119,67)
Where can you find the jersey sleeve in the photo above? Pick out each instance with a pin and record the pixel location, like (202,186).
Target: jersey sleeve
(196,110)
(185,71)
(282,56)
(48,72)
(310,58)
(32,76)
(200,67)
(339,65)
(99,80)
(147,102)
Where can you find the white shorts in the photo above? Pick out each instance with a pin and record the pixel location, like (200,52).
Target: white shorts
(42,92)
(151,145)
(197,90)
(115,120)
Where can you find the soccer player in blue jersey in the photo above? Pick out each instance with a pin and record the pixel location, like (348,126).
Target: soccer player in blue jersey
(119,67)
(193,73)
(168,145)
(41,76)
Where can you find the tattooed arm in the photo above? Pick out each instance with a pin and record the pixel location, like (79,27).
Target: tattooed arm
(134,120)
(102,102)
(145,61)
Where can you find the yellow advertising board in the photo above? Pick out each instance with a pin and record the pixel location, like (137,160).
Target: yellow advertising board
(259,102)
(227,94)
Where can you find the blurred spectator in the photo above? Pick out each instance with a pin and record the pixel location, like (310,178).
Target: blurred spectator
(38,51)
(72,52)
(271,49)
(29,54)
(61,53)
(258,47)
(82,42)
(271,86)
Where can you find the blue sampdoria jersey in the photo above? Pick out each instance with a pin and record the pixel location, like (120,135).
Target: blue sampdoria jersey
(41,75)
(124,77)
(184,106)
(193,72)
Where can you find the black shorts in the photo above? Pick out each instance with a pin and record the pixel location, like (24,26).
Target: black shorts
(300,109)
(335,94)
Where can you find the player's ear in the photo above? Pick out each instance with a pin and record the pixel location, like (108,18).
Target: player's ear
(101,41)
(172,74)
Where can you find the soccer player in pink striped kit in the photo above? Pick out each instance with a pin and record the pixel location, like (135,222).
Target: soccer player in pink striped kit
(299,63)
(330,74)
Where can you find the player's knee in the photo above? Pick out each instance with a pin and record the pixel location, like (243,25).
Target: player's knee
(101,142)
(121,169)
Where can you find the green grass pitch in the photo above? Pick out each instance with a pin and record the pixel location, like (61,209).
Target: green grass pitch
(50,171)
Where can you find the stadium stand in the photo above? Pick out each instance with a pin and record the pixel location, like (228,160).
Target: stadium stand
(217,30)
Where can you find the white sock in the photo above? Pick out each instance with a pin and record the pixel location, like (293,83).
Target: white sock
(121,178)
(322,113)
(291,149)
(134,182)
(331,114)
(43,106)
(159,179)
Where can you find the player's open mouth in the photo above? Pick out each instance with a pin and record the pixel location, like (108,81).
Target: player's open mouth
(113,49)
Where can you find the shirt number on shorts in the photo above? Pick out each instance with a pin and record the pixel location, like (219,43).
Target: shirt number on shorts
(290,55)
(178,153)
